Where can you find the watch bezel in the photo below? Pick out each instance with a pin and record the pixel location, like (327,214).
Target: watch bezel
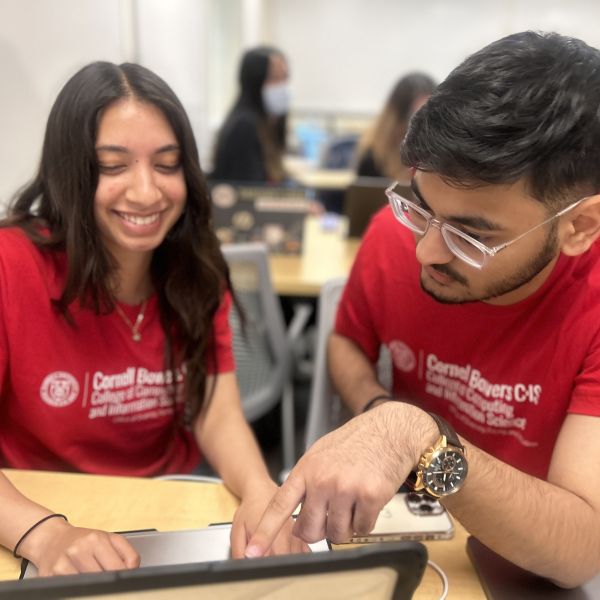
(431,458)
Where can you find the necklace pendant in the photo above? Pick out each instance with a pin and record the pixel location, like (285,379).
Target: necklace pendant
(136,336)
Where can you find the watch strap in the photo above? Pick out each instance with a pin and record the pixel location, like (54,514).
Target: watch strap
(446,431)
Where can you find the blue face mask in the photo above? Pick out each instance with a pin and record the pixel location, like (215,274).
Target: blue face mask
(276,98)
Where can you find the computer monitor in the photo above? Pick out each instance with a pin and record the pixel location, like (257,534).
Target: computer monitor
(385,571)
(254,212)
(365,197)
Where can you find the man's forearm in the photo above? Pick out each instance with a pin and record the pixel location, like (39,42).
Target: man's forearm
(352,374)
(537,525)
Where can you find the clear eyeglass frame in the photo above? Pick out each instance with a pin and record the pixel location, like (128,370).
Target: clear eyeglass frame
(452,236)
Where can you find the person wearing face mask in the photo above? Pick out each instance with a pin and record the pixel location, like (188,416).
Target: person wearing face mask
(378,150)
(251,142)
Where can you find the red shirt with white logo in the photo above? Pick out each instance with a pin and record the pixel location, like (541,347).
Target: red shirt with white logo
(88,397)
(504,376)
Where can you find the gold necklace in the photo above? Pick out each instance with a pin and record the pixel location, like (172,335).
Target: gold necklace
(136,336)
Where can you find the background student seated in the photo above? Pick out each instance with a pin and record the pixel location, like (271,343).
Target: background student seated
(378,152)
(252,141)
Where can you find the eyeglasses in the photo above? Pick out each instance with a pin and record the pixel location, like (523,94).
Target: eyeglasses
(463,246)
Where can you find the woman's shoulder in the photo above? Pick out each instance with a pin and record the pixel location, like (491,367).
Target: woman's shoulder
(19,253)
(14,242)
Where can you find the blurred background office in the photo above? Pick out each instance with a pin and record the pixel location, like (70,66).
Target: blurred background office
(344,54)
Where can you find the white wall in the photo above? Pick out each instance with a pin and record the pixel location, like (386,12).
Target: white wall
(171,41)
(41,44)
(346,54)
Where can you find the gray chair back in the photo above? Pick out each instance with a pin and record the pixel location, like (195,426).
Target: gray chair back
(262,353)
(263,346)
(326,410)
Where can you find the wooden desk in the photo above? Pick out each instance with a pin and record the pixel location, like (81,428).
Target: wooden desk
(123,503)
(325,255)
(326,179)
(308,174)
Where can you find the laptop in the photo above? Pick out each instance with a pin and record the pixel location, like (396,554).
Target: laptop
(254,212)
(365,197)
(159,548)
(385,571)
(501,580)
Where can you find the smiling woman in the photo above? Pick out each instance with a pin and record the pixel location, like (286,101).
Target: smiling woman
(141,186)
(115,347)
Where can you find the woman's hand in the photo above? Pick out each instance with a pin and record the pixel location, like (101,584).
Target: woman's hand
(57,548)
(248,516)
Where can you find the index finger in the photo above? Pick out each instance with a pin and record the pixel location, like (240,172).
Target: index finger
(238,539)
(279,510)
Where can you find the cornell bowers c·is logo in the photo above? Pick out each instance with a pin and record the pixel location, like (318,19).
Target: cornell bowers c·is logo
(59,389)
(402,356)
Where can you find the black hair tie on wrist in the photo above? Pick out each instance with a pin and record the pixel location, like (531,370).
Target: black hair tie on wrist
(371,402)
(15,551)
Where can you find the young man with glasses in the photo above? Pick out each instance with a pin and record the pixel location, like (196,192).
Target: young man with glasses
(494,328)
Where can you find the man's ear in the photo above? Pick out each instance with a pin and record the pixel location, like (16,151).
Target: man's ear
(582,227)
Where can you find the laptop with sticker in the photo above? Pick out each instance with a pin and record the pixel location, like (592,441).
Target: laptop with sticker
(273,214)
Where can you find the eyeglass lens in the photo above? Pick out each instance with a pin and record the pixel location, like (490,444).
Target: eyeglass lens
(460,246)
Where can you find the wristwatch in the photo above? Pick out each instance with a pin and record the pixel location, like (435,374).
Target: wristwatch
(442,469)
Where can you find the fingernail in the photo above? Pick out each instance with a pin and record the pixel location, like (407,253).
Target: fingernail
(252,552)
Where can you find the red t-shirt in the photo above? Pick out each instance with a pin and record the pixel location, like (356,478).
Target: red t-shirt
(504,376)
(87,398)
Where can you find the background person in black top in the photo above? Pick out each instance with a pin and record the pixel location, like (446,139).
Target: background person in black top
(251,142)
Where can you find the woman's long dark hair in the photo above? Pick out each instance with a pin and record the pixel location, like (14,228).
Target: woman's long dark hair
(188,270)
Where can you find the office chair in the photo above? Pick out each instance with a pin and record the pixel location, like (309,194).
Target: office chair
(326,411)
(263,345)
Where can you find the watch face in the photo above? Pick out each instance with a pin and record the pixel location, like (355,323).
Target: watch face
(446,472)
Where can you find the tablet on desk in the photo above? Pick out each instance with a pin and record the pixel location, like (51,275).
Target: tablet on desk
(158,548)
(382,572)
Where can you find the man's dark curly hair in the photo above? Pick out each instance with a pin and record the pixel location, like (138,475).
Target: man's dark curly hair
(526,106)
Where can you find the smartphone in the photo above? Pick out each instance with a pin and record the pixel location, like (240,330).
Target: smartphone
(410,517)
